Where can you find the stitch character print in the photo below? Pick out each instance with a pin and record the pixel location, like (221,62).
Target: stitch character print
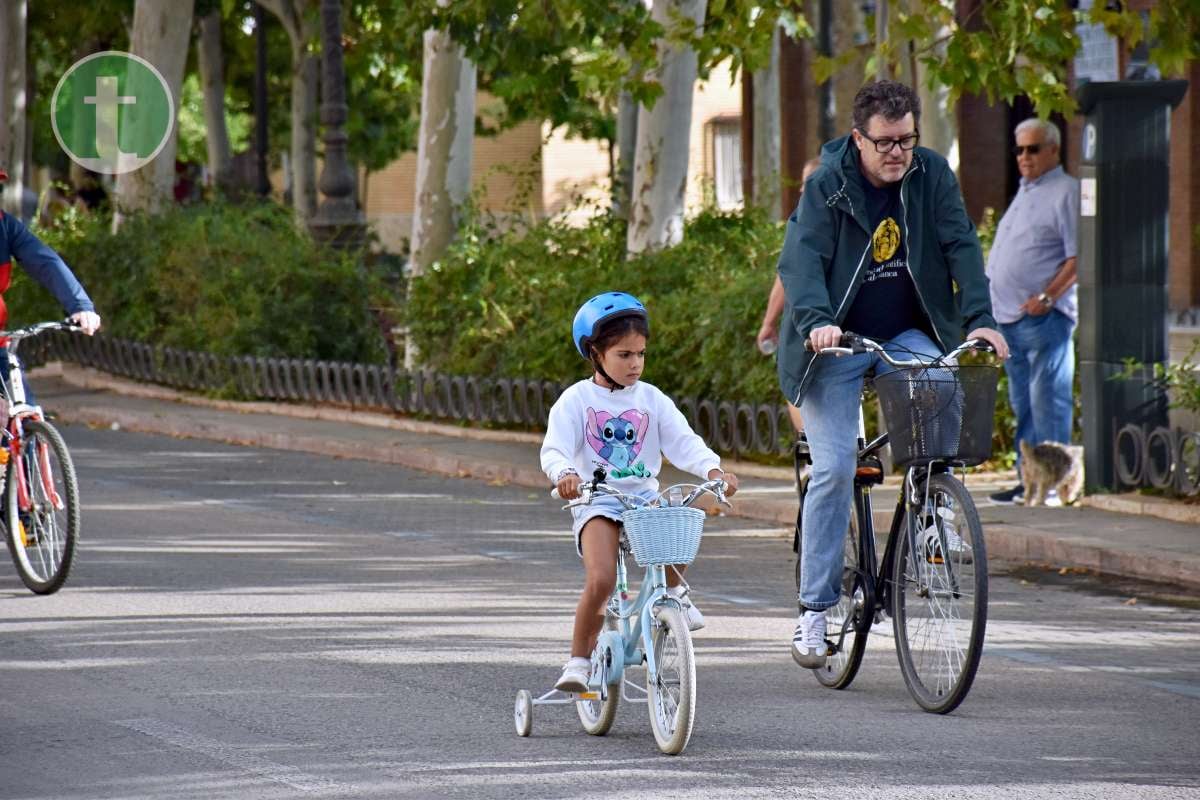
(618,440)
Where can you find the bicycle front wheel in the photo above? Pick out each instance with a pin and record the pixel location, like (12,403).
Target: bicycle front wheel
(939,595)
(843,619)
(672,692)
(43,517)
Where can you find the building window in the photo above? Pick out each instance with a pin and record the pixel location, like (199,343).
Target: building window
(725,135)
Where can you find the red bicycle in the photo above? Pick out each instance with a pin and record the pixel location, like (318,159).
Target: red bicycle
(41,493)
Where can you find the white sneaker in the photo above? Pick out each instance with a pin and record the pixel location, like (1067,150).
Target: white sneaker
(575,675)
(691,614)
(808,643)
(1053,500)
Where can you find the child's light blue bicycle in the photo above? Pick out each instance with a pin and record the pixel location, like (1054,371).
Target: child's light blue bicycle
(650,628)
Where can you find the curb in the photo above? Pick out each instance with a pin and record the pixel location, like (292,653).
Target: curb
(1005,541)
(1145,505)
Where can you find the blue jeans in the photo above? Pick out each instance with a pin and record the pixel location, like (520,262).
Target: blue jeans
(830,410)
(1041,373)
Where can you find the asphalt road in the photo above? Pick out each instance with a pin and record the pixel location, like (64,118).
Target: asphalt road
(254,624)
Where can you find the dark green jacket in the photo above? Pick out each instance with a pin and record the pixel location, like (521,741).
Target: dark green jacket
(828,244)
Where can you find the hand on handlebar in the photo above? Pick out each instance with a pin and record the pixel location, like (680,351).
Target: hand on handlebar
(992,337)
(568,486)
(823,337)
(731,481)
(88,321)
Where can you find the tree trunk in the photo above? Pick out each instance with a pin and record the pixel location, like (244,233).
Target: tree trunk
(161,29)
(766,171)
(444,152)
(305,79)
(13,103)
(622,178)
(212,79)
(661,165)
(301,27)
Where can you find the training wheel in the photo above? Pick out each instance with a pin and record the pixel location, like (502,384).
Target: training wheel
(523,713)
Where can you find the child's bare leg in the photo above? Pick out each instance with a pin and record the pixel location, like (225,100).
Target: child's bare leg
(599,545)
(675,574)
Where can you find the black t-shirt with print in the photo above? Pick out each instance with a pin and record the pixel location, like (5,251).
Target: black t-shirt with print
(886,304)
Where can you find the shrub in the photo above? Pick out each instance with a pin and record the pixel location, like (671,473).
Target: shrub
(503,302)
(229,279)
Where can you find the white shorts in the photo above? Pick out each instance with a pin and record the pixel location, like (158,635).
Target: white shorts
(604,506)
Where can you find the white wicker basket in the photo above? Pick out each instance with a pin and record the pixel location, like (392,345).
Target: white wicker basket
(663,534)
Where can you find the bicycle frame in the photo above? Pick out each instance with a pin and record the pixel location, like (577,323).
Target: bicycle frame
(633,639)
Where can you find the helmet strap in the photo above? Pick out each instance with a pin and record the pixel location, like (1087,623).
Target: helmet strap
(612,385)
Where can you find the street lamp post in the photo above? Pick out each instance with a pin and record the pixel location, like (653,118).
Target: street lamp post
(338,220)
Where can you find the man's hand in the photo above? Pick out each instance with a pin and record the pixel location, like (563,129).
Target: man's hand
(826,336)
(568,486)
(768,332)
(992,337)
(89,321)
(731,481)
(1035,307)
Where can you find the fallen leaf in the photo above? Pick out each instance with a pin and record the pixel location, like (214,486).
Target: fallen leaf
(1131,601)
(1064,571)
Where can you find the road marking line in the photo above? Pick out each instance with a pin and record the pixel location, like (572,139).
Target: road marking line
(232,756)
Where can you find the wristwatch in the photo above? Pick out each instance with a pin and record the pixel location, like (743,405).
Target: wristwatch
(1045,299)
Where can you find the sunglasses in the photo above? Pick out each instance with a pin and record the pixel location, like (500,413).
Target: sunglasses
(1022,149)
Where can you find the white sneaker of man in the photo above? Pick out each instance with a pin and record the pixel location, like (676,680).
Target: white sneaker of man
(808,643)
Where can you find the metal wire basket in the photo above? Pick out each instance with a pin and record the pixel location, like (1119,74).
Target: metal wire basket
(663,534)
(939,413)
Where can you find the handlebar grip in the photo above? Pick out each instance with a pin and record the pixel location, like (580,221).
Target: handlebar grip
(554,493)
(848,340)
(982,345)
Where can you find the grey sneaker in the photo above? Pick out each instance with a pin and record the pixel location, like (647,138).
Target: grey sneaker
(808,643)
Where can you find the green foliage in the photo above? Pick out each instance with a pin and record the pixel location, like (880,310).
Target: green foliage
(227,279)
(503,302)
(193,136)
(1181,380)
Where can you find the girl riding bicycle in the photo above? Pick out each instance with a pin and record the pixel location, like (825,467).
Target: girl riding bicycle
(618,424)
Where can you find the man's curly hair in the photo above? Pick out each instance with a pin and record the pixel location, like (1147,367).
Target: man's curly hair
(892,99)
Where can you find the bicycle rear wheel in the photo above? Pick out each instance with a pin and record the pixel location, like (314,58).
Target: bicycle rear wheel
(42,531)
(847,645)
(672,692)
(939,595)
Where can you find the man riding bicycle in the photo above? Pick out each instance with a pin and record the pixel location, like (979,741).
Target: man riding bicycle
(880,245)
(47,268)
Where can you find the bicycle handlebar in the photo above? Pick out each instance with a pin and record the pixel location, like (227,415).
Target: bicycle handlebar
(39,327)
(853,344)
(716,487)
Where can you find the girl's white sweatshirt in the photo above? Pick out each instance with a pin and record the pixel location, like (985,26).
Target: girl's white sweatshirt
(626,433)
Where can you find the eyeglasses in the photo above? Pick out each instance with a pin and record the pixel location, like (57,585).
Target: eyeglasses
(1022,149)
(885,145)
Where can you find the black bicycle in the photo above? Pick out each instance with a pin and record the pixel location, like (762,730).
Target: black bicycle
(933,574)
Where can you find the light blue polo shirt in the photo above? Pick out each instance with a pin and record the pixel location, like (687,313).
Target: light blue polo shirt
(1035,236)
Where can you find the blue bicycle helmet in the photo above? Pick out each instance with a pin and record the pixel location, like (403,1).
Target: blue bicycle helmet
(600,309)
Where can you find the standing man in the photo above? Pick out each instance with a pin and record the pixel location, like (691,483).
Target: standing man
(881,245)
(1032,272)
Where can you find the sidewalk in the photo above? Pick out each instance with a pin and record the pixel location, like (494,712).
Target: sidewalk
(1126,544)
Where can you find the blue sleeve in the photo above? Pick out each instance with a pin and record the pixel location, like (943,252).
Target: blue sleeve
(45,266)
